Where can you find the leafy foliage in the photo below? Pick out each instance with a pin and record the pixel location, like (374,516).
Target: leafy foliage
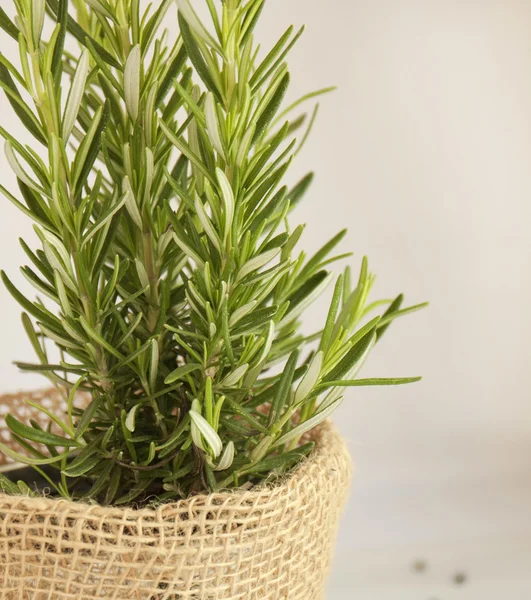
(167,273)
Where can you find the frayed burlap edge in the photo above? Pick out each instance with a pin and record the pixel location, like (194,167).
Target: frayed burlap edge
(270,543)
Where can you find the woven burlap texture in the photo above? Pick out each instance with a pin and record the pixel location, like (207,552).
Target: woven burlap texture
(270,543)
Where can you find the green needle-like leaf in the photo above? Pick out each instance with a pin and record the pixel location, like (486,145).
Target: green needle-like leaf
(21,109)
(271,109)
(283,388)
(57,58)
(282,462)
(77,90)
(308,425)
(181,372)
(87,416)
(197,58)
(7,25)
(353,357)
(375,381)
(80,35)
(38,435)
(7,486)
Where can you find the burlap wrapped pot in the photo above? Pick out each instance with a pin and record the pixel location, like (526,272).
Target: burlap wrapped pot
(270,543)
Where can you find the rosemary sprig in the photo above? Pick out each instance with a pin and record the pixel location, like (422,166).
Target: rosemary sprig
(167,251)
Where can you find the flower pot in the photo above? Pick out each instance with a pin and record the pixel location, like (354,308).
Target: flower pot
(269,543)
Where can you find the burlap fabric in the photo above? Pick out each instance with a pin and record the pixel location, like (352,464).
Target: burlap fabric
(269,543)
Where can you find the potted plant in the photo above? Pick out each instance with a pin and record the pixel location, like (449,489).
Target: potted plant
(183,450)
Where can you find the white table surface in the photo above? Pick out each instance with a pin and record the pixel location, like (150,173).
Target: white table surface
(477,527)
(461,504)
(495,569)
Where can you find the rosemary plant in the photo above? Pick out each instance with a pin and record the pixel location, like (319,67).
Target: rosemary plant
(168,277)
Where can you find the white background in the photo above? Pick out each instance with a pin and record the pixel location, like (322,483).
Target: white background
(424,152)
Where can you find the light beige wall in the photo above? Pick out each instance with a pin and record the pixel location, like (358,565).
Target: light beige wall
(424,152)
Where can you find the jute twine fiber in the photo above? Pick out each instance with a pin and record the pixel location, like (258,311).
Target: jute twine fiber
(270,543)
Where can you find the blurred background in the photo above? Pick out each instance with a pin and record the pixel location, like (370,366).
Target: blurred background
(424,153)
